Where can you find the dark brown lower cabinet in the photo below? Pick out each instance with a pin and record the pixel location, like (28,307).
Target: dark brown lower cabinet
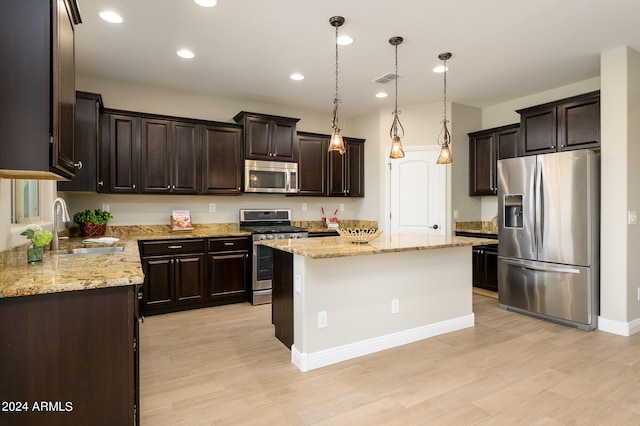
(485,267)
(174,275)
(282,302)
(70,358)
(228,270)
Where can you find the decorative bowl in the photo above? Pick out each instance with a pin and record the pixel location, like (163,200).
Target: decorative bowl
(359,236)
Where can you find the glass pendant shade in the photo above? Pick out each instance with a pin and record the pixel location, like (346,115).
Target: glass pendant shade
(336,143)
(445,155)
(396,148)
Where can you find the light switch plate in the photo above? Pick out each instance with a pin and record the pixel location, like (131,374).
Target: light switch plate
(632,217)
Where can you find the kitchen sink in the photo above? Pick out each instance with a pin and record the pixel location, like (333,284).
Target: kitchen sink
(94,250)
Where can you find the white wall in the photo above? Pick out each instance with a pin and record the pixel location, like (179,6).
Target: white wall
(620,242)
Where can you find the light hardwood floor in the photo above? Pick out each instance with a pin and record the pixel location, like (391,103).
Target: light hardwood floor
(222,366)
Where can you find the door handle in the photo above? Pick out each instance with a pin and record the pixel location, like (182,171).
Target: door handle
(434,226)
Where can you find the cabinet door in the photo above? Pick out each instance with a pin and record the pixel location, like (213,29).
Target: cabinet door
(156,156)
(257,144)
(337,171)
(189,278)
(185,158)
(124,145)
(86,142)
(538,130)
(64,90)
(158,291)
(482,163)
(579,124)
(312,165)
(222,160)
(507,144)
(228,275)
(283,140)
(478,267)
(354,181)
(491,268)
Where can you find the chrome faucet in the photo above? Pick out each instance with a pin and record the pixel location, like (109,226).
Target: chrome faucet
(55,244)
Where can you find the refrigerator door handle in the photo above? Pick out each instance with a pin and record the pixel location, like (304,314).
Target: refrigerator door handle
(542,268)
(532,190)
(539,224)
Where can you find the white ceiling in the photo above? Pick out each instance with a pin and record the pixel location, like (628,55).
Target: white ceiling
(246,49)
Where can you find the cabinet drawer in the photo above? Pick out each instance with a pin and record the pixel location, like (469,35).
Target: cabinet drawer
(148,248)
(228,244)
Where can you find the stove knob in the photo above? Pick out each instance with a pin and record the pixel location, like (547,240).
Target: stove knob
(293,236)
(263,237)
(282,236)
(270,236)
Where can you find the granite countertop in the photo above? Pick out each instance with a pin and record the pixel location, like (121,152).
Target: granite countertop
(478,227)
(61,272)
(331,247)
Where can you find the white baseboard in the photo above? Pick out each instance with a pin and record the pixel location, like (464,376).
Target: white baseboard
(311,361)
(618,327)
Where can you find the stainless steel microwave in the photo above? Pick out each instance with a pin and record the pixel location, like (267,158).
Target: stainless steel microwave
(271,177)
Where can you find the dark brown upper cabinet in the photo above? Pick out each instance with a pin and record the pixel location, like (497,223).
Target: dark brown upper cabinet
(170,157)
(346,172)
(563,125)
(323,173)
(222,162)
(486,147)
(124,153)
(38,94)
(269,137)
(86,145)
(312,164)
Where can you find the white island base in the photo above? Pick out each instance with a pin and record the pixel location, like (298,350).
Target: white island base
(376,302)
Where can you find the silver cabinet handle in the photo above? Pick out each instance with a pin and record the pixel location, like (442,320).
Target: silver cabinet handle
(78,165)
(100,183)
(133,186)
(174,247)
(229,244)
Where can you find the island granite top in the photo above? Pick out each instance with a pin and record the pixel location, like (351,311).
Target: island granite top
(332,247)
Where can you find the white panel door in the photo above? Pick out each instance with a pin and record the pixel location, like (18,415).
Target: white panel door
(417,193)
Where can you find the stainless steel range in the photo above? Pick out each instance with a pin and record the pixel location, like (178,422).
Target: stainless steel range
(266,225)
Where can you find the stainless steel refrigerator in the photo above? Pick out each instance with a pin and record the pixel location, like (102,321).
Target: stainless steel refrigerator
(549,236)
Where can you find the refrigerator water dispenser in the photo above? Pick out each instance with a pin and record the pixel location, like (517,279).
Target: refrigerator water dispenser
(513,211)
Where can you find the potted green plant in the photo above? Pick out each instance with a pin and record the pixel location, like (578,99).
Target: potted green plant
(93,223)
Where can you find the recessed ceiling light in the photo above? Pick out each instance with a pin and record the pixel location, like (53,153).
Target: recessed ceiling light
(184,53)
(206,3)
(440,69)
(111,16)
(381,95)
(345,40)
(296,76)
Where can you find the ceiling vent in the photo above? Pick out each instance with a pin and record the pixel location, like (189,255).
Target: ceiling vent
(384,79)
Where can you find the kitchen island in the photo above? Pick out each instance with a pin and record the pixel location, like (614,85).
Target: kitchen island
(334,300)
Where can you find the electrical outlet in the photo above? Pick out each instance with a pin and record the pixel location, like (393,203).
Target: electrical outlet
(632,217)
(455,214)
(212,207)
(395,306)
(105,207)
(298,284)
(638,294)
(322,319)
(341,207)
(304,207)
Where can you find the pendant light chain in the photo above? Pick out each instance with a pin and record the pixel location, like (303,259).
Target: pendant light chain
(396,108)
(445,91)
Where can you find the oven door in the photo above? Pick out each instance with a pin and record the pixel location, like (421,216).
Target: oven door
(261,274)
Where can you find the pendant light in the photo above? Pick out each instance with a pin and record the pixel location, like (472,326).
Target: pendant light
(396,144)
(336,143)
(444,139)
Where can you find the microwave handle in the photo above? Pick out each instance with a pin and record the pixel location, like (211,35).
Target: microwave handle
(288,183)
